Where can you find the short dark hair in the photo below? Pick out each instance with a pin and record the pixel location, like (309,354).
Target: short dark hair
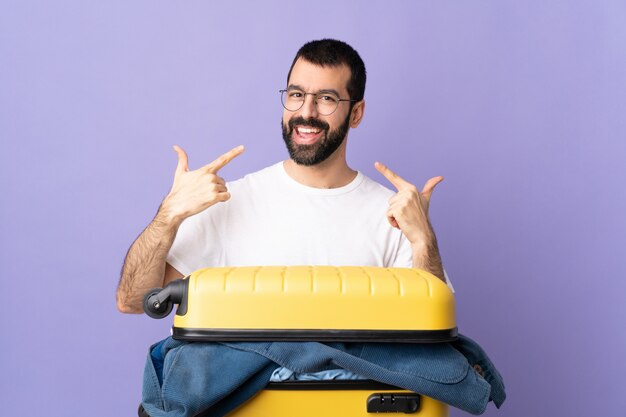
(332,53)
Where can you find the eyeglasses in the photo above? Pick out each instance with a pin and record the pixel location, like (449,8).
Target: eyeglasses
(326,101)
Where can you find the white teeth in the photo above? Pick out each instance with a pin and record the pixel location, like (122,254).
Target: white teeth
(306,130)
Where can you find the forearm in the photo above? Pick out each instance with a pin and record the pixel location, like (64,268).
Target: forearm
(192,192)
(144,266)
(426,256)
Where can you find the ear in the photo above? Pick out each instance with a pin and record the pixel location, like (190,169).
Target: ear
(357,114)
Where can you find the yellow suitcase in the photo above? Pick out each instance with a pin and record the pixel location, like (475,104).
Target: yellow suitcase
(314,303)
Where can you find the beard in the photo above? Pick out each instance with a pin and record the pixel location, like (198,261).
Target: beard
(314,153)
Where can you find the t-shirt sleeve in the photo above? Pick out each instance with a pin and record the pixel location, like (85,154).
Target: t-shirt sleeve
(447,278)
(404,256)
(197,243)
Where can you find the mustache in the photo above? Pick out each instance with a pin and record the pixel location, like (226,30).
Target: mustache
(301,121)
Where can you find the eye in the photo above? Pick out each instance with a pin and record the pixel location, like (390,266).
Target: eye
(327,98)
(295,94)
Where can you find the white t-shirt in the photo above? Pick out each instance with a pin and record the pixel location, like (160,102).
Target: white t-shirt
(271,219)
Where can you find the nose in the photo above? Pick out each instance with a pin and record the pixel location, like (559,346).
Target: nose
(309,107)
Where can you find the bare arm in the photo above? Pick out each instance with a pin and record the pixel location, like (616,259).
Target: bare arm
(427,257)
(145,265)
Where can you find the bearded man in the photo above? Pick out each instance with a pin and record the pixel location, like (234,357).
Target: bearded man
(312,209)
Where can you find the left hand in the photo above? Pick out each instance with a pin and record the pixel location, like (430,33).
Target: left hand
(408,208)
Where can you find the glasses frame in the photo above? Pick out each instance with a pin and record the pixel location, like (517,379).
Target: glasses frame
(314,99)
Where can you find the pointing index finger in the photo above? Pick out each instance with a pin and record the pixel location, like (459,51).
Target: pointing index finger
(393,178)
(221,162)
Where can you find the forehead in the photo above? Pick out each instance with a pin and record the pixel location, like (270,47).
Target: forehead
(312,77)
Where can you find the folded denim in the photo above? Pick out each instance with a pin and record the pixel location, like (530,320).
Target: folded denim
(182,379)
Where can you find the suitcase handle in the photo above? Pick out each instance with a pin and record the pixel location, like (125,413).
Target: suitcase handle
(393,403)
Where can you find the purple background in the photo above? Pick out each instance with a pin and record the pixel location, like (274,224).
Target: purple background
(520,105)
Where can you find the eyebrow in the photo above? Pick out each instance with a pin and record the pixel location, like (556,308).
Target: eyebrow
(326,90)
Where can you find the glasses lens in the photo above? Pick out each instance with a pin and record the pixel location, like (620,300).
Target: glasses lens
(292,99)
(326,103)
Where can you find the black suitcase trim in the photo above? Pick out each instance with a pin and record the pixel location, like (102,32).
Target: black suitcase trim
(307,335)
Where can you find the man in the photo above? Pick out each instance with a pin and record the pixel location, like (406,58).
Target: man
(311,209)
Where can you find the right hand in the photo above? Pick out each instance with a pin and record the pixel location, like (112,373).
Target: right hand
(195,191)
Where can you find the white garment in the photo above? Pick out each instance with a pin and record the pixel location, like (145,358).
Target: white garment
(271,219)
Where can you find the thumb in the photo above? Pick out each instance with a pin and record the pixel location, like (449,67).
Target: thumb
(429,187)
(183,161)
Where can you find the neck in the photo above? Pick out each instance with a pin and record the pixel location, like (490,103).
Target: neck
(334,172)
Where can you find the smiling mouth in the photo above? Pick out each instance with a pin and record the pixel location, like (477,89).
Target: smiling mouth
(306,135)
